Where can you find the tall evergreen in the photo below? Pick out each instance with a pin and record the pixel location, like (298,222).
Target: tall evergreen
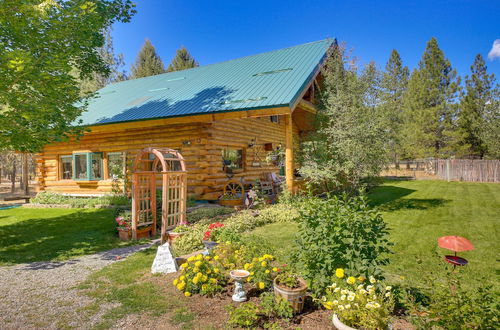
(148,62)
(393,87)
(182,61)
(115,63)
(431,110)
(478,103)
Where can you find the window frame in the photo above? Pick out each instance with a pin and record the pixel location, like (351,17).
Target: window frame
(243,161)
(89,159)
(122,155)
(61,168)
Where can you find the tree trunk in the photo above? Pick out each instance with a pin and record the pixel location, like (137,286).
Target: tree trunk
(13,177)
(25,174)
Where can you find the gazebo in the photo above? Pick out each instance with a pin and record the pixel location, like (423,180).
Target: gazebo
(163,168)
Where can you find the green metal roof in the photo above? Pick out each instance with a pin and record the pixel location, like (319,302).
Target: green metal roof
(265,80)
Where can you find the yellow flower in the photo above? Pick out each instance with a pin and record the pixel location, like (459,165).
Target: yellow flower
(187,294)
(191,258)
(175,281)
(195,280)
(181,286)
(267,271)
(262,285)
(216,258)
(328,305)
(184,265)
(275,269)
(261,259)
(213,281)
(197,264)
(199,257)
(339,272)
(263,263)
(196,270)
(351,280)
(216,270)
(249,278)
(182,277)
(255,259)
(204,278)
(361,278)
(252,273)
(246,266)
(199,275)
(207,257)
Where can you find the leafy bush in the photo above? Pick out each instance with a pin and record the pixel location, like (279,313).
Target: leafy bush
(202,275)
(359,305)
(262,271)
(80,202)
(208,213)
(245,315)
(340,232)
(273,306)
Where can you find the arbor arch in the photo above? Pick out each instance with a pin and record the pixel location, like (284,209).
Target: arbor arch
(153,168)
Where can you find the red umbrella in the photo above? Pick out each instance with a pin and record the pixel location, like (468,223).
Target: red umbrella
(455,243)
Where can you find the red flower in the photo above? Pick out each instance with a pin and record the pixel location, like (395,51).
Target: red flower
(207,234)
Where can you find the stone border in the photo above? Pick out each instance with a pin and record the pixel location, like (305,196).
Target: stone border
(68,206)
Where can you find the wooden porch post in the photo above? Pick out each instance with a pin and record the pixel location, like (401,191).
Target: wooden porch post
(289,161)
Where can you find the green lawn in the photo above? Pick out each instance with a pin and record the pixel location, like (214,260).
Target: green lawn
(418,212)
(28,235)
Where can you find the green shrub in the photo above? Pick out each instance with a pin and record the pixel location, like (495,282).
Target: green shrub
(273,306)
(340,232)
(80,202)
(245,315)
(207,213)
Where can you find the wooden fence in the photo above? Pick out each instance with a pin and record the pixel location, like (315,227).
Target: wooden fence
(472,170)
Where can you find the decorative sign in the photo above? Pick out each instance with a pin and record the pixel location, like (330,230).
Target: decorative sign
(164,261)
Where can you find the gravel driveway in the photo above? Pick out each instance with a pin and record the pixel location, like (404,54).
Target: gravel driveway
(42,294)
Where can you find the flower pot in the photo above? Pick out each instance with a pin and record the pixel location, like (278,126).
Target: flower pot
(295,297)
(209,245)
(231,202)
(172,236)
(339,325)
(144,232)
(124,234)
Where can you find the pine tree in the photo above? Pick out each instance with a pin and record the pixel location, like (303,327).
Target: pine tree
(430,117)
(393,86)
(148,62)
(182,61)
(477,103)
(115,63)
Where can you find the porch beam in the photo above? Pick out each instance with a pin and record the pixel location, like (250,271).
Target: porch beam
(289,161)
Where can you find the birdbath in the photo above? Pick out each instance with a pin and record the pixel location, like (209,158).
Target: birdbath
(239,277)
(455,244)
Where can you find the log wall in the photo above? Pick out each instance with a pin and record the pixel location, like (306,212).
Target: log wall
(200,144)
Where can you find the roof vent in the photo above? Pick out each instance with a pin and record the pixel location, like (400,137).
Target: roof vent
(158,89)
(271,72)
(139,101)
(246,100)
(175,79)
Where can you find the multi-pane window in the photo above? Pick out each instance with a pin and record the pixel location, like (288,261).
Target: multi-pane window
(232,159)
(115,165)
(81,166)
(66,167)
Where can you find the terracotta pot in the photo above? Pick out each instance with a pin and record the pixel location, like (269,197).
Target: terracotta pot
(230,202)
(173,236)
(339,325)
(295,297)
(209,245)
(124,234)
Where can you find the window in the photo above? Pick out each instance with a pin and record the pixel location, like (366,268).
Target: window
(88,166)
(115,165)
(232,159)
(274,119)
(66,167)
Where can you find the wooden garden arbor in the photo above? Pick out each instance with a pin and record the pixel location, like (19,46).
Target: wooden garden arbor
(163,168)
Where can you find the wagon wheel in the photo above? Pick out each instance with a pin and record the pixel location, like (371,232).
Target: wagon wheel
(234,188)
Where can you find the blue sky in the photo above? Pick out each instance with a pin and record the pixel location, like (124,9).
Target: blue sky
(215,31)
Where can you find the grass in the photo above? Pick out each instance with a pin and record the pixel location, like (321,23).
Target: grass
(418,212)
(28,235)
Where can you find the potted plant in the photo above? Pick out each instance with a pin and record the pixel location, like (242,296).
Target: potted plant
(124,227)
(179,231)
(358,305)
(292,288)
(233,194)
(211,234)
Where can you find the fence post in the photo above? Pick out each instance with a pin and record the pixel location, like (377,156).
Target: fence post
(448,170)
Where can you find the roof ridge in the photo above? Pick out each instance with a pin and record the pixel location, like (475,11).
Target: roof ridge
(207,65)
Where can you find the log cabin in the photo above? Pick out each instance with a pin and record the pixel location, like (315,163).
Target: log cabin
(226,119)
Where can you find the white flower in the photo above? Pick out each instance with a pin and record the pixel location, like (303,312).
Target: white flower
(387,294)
(388,288)
(350,298)
(372,279)
(341,308)
(369,287)
(336,290)
(335,302)
(323,298)
(360,286)
(334,285)
(369,305)
(376,305)
(343,297)
(363,291)
(344,292)
(348,306)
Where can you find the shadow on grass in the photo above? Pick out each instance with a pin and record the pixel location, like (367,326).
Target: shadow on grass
(48,235)
(390,198)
